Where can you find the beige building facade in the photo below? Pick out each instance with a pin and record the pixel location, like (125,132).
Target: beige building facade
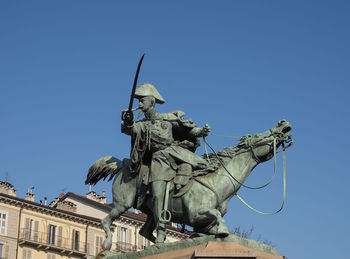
(68,227)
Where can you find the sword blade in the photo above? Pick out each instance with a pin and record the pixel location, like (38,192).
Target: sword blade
(135,83)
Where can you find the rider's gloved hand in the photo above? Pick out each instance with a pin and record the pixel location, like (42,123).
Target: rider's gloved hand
(205,130)
(127,117)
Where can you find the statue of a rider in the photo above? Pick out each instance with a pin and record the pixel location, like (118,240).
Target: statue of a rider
(165,143)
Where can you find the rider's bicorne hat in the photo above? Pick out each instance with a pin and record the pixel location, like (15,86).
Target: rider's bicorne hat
(148,89)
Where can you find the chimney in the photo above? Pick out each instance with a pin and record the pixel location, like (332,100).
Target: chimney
(93,196)
(66,206)
(30,196)
(45,201)
(103,198)
(7,188)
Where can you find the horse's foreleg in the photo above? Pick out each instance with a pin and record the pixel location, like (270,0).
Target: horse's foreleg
(117,210)
(217,224)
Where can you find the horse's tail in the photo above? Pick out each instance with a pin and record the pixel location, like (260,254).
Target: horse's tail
(104,167)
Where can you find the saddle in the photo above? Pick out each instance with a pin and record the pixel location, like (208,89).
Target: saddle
(143,187)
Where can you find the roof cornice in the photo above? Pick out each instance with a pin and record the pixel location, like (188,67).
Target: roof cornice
(18,202)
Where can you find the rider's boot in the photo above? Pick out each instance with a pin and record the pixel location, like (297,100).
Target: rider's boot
(158,188)
(147,230)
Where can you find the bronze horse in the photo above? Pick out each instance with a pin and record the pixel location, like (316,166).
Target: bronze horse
(205,203)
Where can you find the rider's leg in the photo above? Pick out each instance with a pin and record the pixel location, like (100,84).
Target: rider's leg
(158,189)
(183,175)
(161,172)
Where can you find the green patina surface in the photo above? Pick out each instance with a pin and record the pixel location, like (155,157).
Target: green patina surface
(163,153)
(167,247)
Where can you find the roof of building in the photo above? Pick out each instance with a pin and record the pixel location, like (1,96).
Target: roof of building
(53,210)
(46,209)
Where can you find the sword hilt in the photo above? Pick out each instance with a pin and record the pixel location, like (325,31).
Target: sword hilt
(127,116)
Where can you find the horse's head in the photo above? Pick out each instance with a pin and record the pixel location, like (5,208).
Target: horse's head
(262,144)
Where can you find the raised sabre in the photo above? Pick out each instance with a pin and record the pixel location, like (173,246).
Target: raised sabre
(128,115)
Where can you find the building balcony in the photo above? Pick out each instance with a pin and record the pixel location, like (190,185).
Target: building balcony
(124,247)
(44,241)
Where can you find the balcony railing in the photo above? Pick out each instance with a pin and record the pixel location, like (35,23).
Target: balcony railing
(125,247)
(55,241)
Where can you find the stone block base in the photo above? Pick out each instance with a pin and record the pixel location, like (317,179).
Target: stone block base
(207,247)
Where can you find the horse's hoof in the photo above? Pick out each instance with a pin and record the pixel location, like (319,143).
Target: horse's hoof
(160,239)
(221,235)
(100,255)
(106,245)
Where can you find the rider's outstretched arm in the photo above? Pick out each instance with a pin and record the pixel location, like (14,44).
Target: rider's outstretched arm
(200,132)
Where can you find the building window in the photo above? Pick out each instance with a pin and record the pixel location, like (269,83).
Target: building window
(123,239)
(123,234)
(52,234)
(98,244)
(3,223)
(50,256)
(30,230)
(4,251)
(75,240)
(26,253)
(144,242)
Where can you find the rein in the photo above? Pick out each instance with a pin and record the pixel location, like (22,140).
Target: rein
(258,160)
(251,148)
(284,191)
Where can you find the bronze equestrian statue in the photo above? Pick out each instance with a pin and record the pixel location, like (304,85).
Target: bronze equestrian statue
(165,179)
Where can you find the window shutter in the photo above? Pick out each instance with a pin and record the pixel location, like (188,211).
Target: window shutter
(129,237)
(139,243)
(119,236)
(98,244)
(26,254)
(73,240)
(26,230)
(59,236)
(36,230)
(6,252)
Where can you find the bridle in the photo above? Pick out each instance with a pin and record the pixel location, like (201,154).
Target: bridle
(251,146)
(281,137)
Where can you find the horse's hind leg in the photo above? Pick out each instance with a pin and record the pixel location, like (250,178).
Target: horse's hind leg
(117,210)
(124,192)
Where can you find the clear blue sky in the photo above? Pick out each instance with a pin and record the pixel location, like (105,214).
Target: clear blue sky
(67,68)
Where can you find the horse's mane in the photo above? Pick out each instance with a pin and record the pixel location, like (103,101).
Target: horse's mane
(224,155)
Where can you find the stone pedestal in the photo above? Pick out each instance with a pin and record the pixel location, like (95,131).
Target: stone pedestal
(207,247)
